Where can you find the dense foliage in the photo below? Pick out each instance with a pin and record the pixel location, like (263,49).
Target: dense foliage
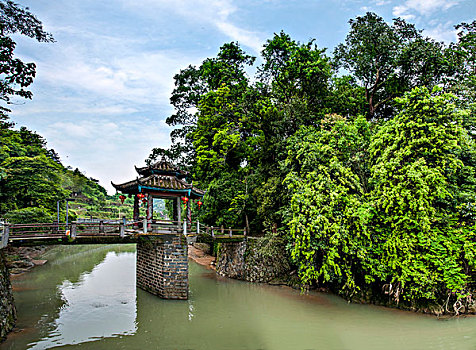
(33,180)
(328,182)
(370,176)
(393,208)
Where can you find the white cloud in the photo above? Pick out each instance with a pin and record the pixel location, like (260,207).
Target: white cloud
(109,149)
(145,78)
(442,32)
(244,37)
(66,104)
(410,8)
(401,11)
(217,13)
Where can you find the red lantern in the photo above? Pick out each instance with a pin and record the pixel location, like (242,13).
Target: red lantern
(140,195)
(199,204)
(184,200)
(122,197)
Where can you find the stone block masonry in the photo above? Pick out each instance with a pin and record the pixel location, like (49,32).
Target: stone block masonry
(162,266)
(7,308)
(254,260)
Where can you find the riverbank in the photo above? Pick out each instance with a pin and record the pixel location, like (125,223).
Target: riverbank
(22,259)
(257,259)
(14,261)
(248,261)
(199,252)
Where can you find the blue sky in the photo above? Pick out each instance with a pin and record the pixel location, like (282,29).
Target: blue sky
(101,94)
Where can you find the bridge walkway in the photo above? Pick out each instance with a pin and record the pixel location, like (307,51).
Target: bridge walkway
(110,232)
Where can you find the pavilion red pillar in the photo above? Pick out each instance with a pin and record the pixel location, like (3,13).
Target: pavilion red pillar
(189,216)
(179,213)
(135,215)
(150,211)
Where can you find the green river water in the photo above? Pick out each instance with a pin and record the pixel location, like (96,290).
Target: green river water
(85,297)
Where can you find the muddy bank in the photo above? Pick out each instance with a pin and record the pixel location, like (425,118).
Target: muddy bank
(200,253)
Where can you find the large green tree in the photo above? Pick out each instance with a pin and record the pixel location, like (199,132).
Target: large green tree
(328,183)
(389,60)
(191,85)
(16,75)
(423,196)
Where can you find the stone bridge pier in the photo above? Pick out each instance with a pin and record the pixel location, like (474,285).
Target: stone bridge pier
(162,266)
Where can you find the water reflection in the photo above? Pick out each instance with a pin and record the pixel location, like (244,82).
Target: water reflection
(101,304)
(86,296)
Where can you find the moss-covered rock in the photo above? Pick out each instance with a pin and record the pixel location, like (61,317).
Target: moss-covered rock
(255,260)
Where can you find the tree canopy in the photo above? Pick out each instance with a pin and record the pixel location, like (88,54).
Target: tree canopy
(389,60)
(364,161)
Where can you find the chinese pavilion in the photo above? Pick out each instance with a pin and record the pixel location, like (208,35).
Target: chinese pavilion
(160,180)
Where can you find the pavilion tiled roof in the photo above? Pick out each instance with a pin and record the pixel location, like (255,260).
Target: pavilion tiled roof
(160,177)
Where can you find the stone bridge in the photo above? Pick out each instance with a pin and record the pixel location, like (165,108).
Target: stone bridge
(162,245)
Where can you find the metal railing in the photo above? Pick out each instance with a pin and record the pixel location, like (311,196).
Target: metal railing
(35,229)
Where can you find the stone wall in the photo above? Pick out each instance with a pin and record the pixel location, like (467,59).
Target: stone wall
(255,260)
(162,266)
(7,308)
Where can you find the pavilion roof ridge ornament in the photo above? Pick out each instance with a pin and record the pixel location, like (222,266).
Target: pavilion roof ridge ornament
(161,167)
